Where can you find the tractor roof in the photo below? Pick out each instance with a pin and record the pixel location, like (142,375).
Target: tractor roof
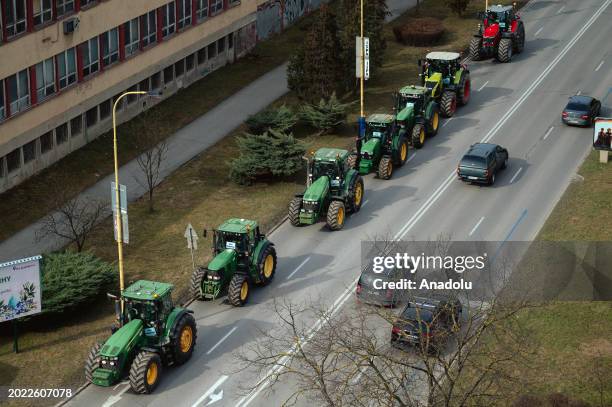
(413,90)
(145,290)
(381,118)
(236,225)
(444,56)
(499,8)
(330,154)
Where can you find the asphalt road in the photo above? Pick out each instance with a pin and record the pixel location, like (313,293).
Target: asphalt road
(516,105)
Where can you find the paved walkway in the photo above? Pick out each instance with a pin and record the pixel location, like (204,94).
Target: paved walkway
(183,146)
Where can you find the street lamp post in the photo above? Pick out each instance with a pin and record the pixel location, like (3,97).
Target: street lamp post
(362,75)
(119,218)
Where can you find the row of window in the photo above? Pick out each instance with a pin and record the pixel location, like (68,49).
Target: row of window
(74,128)
(31,86)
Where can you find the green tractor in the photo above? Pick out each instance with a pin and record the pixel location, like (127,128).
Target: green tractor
(333,189)
(152,333)
(242,257)
(384,146)
(417,113)
(447,79)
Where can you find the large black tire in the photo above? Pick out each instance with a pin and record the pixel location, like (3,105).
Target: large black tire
(195,284)
(336,215)
(434,122)
(184,337)
(504,50)
(145,372)
(401,154)
(92,362)
(351,161)
(448,103)
(418,135)
(267,265)
(294,211)
(355,198)
(475,46)
(492,179)
(239,290)
(465,90)
(385,167)
(519,39)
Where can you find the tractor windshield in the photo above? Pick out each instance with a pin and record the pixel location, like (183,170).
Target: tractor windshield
(405,100)
(144,311)
(229,240)
(322,168)
(377,131)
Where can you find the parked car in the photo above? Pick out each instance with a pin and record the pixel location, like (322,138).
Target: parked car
(426,323)
(581,110)
(482,162)
(368,282)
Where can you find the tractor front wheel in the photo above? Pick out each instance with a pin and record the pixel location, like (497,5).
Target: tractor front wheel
(475,46)
(294,211)
(356,194)
(519,39)
(239,289)
(401,155)
(504,50)
(267,265)
(465,90)
(92,362)
(385,167)
(448,103)
(434,122)
(197,277)
(184,339)
(145,372)
(418,135)
(336,215)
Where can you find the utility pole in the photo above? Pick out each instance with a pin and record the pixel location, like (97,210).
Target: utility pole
(362,77)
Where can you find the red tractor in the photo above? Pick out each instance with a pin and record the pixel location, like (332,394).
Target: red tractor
(501,34)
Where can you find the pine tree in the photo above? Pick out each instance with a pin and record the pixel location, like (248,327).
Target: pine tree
(325,115)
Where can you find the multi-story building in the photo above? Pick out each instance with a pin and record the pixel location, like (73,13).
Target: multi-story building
(64,62)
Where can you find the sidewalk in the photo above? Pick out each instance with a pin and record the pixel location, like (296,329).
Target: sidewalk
(186,144)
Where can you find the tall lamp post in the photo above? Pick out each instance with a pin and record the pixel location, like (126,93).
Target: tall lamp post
(117,201)
(361,76)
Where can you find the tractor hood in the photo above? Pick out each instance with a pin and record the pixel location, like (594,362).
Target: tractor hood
(317,190)
(433,82)
(406,113)
(370,146)
(222,259)
(491,30)
(122,338)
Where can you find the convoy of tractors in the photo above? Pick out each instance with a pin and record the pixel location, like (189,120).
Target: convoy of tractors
(153,333)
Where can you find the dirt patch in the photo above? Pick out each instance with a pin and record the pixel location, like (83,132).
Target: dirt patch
(597,347)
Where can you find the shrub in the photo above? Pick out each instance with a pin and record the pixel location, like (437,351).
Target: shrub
(419,31)
(272,153)
(72,279)
(326,115)
(281,119)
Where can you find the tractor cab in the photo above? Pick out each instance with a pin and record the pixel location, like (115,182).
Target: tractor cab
(236,237)
(379,126)
(499,15)
(149,302)
(329,162)
(439,70)
(409,101)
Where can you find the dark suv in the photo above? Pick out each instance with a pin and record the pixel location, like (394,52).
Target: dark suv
(427,323)
(482,162)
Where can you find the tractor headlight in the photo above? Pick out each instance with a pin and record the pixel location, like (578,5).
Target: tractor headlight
(310,206)
(214,277)
(366,155)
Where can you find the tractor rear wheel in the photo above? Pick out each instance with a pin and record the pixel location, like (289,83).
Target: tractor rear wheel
(92,362)
(239,289)
(418,135)
(385,167)
(519,39)
(195,285)
(294,211)
(401,155)
(448,103)
(355,198)
(434,122)
(336,215)
(504,50)
(183,339)
(352,161)
(145,372)
(475,46)
(465,91)
(267,265)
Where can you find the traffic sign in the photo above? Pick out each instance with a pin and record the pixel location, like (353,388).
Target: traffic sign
(123,208)
(192,237)
(366,60)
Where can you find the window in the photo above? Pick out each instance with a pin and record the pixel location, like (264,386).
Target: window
(105,109)
(13,160)
(234,2)
(184,13)
(202,56)
(179,68)
(190,62)
(110,46)
(85,3)
(201,9)
(221,45)
(143,86)
(169,20)
(212,50)
(2,110)
(29,151)
(63,7)
(156,81)
(46,142)
(230,41)
(18,91)
(149,28)
(42,11)
(215,6)
(91,116)
(132,36)
(61,134)
(169,74)
(76,126)
(45,79)
(15,18)
(90,56)
(66,66)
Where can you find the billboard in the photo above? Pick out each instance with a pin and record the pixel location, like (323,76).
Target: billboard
(20,288)
(602,135)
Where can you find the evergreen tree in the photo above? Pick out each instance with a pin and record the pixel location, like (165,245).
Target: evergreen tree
(281,119)
(325,115)
(458,6)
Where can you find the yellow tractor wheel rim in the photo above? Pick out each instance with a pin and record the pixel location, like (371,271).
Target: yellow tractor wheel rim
(186,339)
(435,121)
(340,216)
(422,136)
(358,194)
(152,374)
(403,152)
(268,266)
(244,291)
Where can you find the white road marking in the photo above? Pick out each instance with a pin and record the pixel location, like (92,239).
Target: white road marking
(548,133)
(447,121)
(599,66)
(561,10)
(476,226)
(221,340)
(516,174)
(121,384)
(210,391)
(539,31)
(302,263)
(366,201)
(411,157)
(447,182)
(115,397)
(483,86)
(579,92)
